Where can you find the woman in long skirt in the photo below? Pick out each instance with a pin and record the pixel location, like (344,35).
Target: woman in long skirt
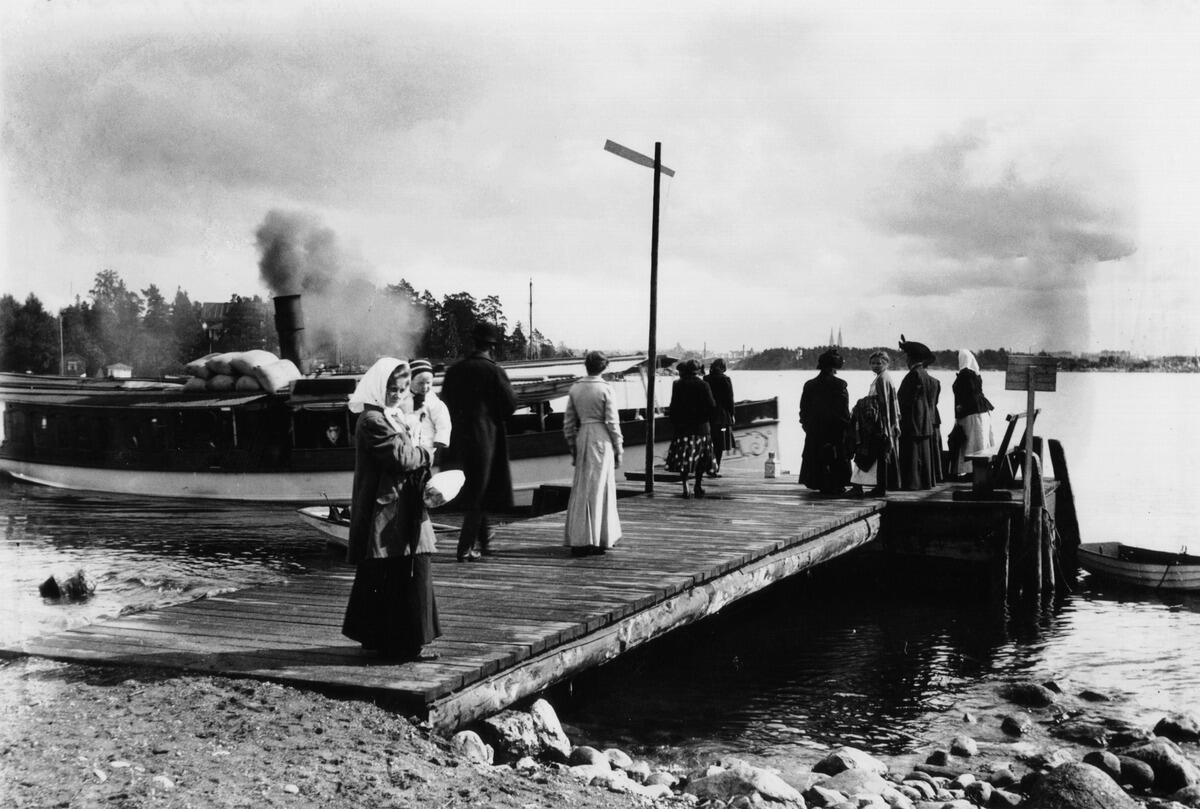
(691,450)
(721,425)
(920,436)
(392,608)
(593,432)
(972,414)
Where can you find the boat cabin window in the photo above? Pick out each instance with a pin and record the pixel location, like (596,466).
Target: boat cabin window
(323,429)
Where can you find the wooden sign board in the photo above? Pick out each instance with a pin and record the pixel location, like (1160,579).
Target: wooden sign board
(1045,372)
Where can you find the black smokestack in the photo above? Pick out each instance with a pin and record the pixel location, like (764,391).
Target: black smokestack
(289,323)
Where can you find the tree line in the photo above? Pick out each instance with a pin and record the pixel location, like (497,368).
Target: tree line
(157,337)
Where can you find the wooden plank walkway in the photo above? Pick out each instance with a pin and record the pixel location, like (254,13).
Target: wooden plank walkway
(514,623)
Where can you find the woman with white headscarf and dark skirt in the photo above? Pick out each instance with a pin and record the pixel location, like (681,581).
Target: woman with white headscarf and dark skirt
(392,608)
(972,415)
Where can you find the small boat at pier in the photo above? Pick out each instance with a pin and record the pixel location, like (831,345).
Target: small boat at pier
(1141,567)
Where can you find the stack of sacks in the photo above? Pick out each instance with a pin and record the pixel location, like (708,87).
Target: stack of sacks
(242,371)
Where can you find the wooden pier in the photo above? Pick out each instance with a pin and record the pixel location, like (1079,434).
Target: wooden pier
(532,615)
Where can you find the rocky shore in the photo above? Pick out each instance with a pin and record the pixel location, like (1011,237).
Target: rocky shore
(74,735)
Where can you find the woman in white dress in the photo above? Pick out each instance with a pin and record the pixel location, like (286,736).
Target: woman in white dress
(593,434)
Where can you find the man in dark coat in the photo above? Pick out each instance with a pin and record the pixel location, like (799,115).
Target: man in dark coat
(479,396)
(824,415)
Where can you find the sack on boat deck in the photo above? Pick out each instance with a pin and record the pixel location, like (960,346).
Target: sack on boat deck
(199,367)
(244,362)
(246,383)
(195,383)
(443,487)
(219,363)
(220,382)
(277,375)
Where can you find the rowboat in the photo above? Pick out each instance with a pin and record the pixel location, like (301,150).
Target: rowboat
(1141,567)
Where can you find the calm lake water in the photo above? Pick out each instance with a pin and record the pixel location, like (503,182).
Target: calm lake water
(817,662)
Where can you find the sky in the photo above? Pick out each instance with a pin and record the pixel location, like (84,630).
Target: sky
(1018,175)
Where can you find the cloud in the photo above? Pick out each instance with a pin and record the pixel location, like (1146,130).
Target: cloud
(167,123)
(977,218)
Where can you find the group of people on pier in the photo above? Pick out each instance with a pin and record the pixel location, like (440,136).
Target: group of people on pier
(892,437)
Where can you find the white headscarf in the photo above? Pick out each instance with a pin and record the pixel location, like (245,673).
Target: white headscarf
(372,388)
(967,360)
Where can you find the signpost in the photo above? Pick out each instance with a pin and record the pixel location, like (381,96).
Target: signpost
(1030,373)
(652,360)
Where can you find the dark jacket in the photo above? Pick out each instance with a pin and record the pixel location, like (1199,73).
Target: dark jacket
(388,469)
(825,416)
(479,397)
(917,397)
(968,394)
(722,391)
(692,406)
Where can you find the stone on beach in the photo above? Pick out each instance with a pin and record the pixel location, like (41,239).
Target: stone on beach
(1029,695)
(849,758)
(1016,724)
(551,738)
(1077,786)
(467,744)
(1105,761)
(740,778)
(1172,769)
(511,734)
(963,746)
(583,755)
(1138,774)
(1178,728)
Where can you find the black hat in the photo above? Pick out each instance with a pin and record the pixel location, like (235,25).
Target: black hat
(485,333)
(830,359)
(420,367)
(917,352)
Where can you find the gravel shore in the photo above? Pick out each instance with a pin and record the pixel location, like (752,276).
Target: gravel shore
(84,736)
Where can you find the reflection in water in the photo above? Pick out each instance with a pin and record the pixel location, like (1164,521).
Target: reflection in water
(828,660)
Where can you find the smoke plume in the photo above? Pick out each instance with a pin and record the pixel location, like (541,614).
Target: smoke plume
(349,321)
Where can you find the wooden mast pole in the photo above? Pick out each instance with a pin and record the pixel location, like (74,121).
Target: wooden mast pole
(652,342)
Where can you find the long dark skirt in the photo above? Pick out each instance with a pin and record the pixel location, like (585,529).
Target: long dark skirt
(392,607)
(690,455)
(824,465)
(918,466)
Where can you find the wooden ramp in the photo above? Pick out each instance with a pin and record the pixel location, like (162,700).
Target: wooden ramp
(513,624)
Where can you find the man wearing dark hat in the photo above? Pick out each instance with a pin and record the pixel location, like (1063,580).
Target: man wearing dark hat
(920,436)
(824,415)
(479,396)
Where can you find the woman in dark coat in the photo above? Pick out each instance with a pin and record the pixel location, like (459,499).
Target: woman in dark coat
(691,451)
(824,415)
(920,433)
(392,608)
(721,424)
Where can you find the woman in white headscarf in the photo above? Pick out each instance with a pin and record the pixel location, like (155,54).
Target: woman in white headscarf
(392,608)
(972,415)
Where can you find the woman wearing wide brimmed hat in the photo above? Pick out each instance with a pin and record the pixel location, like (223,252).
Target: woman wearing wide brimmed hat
(920,424)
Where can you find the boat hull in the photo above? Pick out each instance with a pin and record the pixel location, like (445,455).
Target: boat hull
(1116,562)
(263,447)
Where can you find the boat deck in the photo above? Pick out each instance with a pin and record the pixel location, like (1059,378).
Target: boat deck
(515,623)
